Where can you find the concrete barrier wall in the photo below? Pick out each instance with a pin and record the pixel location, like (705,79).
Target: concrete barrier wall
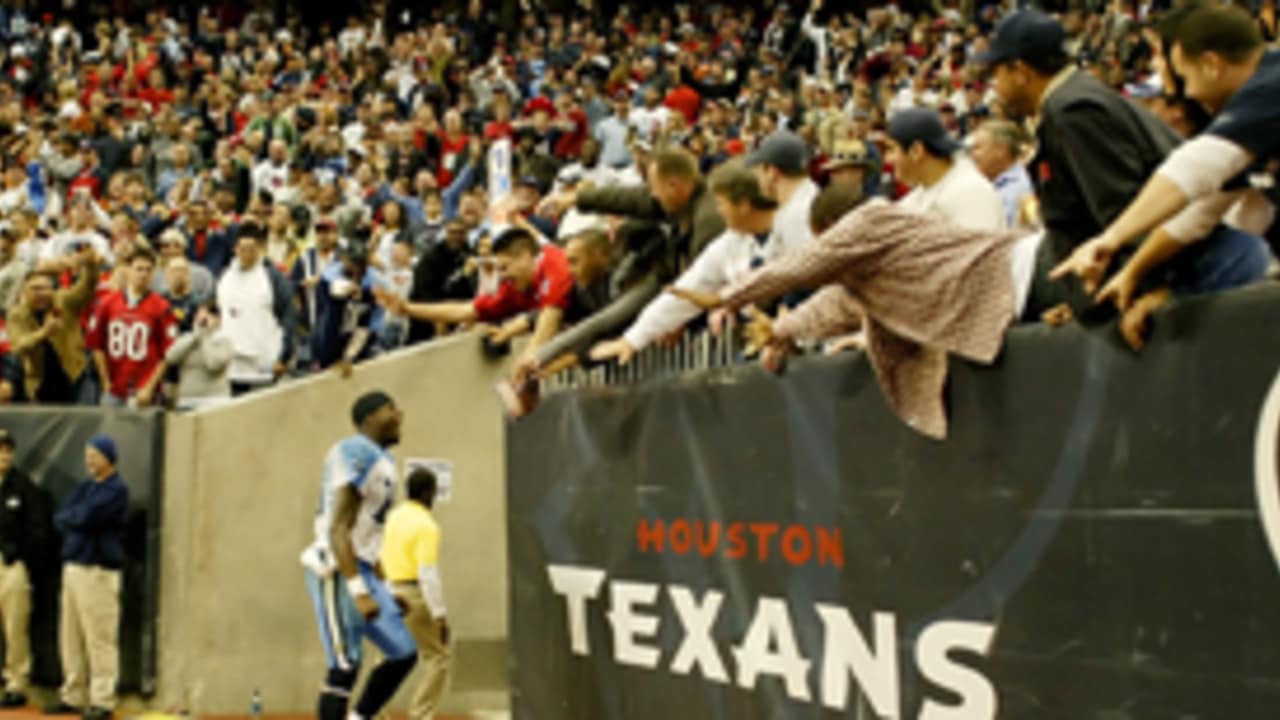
(241,487)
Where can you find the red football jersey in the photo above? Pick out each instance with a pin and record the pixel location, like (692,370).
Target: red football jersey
(134,338)
(552,286)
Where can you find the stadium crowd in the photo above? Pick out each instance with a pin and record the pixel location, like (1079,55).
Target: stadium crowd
(198,204)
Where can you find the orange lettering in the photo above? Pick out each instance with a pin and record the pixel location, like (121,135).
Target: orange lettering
(830,547)
(797,535)
(681,538)
(737,545)
(763,531)
(707,541)
(649,537)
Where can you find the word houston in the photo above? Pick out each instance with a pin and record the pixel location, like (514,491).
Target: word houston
(795,544)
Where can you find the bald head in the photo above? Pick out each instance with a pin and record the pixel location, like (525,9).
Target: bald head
(588,256)
(177,275)
(278,151)
(673,178)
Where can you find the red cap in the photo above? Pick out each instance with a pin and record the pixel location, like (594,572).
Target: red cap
(734,148)
(539,103)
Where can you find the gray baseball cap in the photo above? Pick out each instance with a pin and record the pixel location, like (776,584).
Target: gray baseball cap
(923,125)
(784,150)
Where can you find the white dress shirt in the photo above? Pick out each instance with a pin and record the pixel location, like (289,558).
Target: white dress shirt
(730,257)
(963,196)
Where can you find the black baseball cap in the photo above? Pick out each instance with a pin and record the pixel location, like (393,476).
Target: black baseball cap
(923,125)
(1025,35)
(783,150)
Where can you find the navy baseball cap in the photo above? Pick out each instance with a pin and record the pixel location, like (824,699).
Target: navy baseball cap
(1024,35)
(784,150)
(923,125)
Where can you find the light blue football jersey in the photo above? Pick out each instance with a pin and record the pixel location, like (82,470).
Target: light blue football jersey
(359,462)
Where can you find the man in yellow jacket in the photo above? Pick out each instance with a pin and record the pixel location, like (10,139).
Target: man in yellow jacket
(410,555)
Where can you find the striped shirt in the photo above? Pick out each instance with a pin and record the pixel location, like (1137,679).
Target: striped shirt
(925,288)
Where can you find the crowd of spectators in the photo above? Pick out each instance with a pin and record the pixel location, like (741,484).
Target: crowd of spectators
(198,204)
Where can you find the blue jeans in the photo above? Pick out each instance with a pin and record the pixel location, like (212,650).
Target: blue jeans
(1227,258)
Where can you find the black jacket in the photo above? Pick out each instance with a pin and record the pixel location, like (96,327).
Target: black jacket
(439,275)
(1097,150)
(658,248)
(26,521)
(682,237)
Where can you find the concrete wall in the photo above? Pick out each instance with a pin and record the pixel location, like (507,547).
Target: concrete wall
(241,487)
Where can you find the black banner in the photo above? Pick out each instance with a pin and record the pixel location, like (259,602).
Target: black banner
(50,448)
(1088,543)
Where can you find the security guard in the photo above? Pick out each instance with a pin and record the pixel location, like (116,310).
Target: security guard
(26,530)
(410,556)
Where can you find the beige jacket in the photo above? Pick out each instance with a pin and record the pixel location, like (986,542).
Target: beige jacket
(67,337)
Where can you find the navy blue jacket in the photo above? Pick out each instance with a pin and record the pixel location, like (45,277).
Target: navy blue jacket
(337,319)
(92,523)
(219,248)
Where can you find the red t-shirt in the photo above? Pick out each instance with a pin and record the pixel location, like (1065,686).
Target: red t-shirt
(450,149)
(498,130)
(551,287)
(134,339)
(570,143)
(87,180)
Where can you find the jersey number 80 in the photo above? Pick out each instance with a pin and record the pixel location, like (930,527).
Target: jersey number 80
(128,340)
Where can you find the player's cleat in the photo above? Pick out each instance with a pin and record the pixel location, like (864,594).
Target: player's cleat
(96,713)
(61,708)
(12,700)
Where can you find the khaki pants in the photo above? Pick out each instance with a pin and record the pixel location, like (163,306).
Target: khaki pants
(15,613)
(434,656)
(89,636)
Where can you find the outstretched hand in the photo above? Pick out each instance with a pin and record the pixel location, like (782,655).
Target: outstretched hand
(1120,291)
(1135,323)
(618,349)
(761,339)
(1089,262)
(557,204)
(758,331)
(703,300)
(391,301)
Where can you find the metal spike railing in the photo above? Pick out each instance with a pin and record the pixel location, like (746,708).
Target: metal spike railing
(695,352)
